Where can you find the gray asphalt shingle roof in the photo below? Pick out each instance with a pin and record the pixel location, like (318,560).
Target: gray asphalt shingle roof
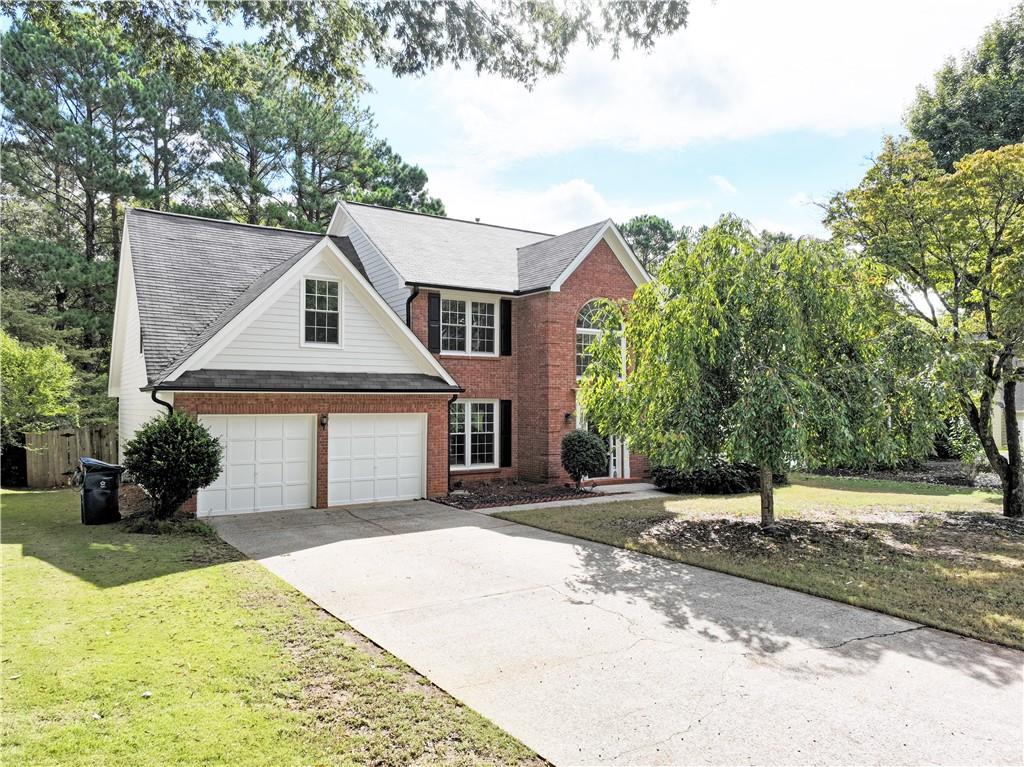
(541,263)
(193,275)
(295,381)
(433,250)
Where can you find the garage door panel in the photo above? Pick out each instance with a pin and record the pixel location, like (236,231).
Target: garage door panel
(378,457)
(269,450)
(241,475)
(409,466)
(241,428)
(271,474)
(267,464)
(242,451)
(408,486)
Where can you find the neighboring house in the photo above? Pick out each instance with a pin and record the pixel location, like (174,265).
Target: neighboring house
(999,416)
(397,355)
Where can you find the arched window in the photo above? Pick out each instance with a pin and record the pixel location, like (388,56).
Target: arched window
(587,331)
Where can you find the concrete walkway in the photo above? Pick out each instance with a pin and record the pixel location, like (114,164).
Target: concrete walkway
(593,655)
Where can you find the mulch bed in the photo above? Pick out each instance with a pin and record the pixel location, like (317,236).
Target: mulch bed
(487,495)
(954,473)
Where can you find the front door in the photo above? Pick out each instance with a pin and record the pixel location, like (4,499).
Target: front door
(618,453)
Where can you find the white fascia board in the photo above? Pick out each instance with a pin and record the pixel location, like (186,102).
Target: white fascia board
(275,291)
(124,277)
(338,218)
(619,247)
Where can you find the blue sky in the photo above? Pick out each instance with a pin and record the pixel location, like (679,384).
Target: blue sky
(756,108)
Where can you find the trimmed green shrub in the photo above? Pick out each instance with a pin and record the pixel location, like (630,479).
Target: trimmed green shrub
(171,458)
(583,454)
(718,478)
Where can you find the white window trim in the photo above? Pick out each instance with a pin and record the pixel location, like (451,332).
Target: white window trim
(454,467)
(469,298)
(340,345)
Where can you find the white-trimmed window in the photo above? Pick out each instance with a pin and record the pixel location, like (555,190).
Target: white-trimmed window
(321,322)
(588,330)
(473,434)
(468,326)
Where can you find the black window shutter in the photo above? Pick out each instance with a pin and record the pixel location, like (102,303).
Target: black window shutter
(505,425)
(434,322)
(506,328)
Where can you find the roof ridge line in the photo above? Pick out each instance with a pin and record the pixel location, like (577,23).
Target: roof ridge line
(448,218)
(133,209)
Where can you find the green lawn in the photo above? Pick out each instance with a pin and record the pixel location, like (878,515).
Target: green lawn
(123,649)
(938,555)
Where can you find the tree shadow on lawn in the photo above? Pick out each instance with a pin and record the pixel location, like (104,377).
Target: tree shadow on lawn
(47,526)
(778,624)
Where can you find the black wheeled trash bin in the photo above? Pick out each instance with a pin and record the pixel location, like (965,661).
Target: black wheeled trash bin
(100,482)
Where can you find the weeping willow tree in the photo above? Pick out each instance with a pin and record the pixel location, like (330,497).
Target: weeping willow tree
(778,352)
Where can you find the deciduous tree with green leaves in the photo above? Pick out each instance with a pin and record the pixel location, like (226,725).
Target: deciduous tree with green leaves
(38,387)
(951,245)
(975,103)
(782,356)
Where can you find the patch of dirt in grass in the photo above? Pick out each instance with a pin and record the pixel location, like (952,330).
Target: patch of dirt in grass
(961,537)
(485,495)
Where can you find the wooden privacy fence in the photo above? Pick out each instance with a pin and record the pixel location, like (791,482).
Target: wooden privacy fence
(52,455)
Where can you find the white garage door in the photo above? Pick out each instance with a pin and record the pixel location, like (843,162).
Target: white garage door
(379,457)
(268,464)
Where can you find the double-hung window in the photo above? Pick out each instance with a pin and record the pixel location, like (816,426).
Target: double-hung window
(467,326)
(321,315)
(472,434)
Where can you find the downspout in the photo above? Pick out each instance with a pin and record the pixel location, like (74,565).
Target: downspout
(168,405)
(448,418)
(408,304)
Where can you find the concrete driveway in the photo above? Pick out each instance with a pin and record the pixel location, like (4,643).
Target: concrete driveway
(589,654)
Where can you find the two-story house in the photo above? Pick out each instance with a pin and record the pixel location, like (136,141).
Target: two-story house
(393,356)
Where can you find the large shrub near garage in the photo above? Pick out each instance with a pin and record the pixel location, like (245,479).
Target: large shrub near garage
(584,454)
(172,457)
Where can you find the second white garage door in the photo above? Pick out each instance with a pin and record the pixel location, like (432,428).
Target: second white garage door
(379,457)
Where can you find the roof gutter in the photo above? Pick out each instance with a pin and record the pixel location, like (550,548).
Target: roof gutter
(152,396)
(437,286)
(408,304)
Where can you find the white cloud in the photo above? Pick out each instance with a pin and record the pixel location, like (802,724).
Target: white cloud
(556,208)
(723,183)
(740,70)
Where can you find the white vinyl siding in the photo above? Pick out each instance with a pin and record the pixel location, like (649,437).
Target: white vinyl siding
(273,341)
(381,274)
(134,407)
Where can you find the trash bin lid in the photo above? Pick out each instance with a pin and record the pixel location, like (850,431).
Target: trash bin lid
(92,463)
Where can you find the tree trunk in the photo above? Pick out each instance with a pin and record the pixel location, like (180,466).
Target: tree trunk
(1013,482)
(767,498)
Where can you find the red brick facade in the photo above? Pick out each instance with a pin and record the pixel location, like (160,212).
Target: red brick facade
(540,375)
(434,405)
(539,378)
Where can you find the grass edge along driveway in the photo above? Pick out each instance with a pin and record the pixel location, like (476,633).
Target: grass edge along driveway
(123,649)
(938,555)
